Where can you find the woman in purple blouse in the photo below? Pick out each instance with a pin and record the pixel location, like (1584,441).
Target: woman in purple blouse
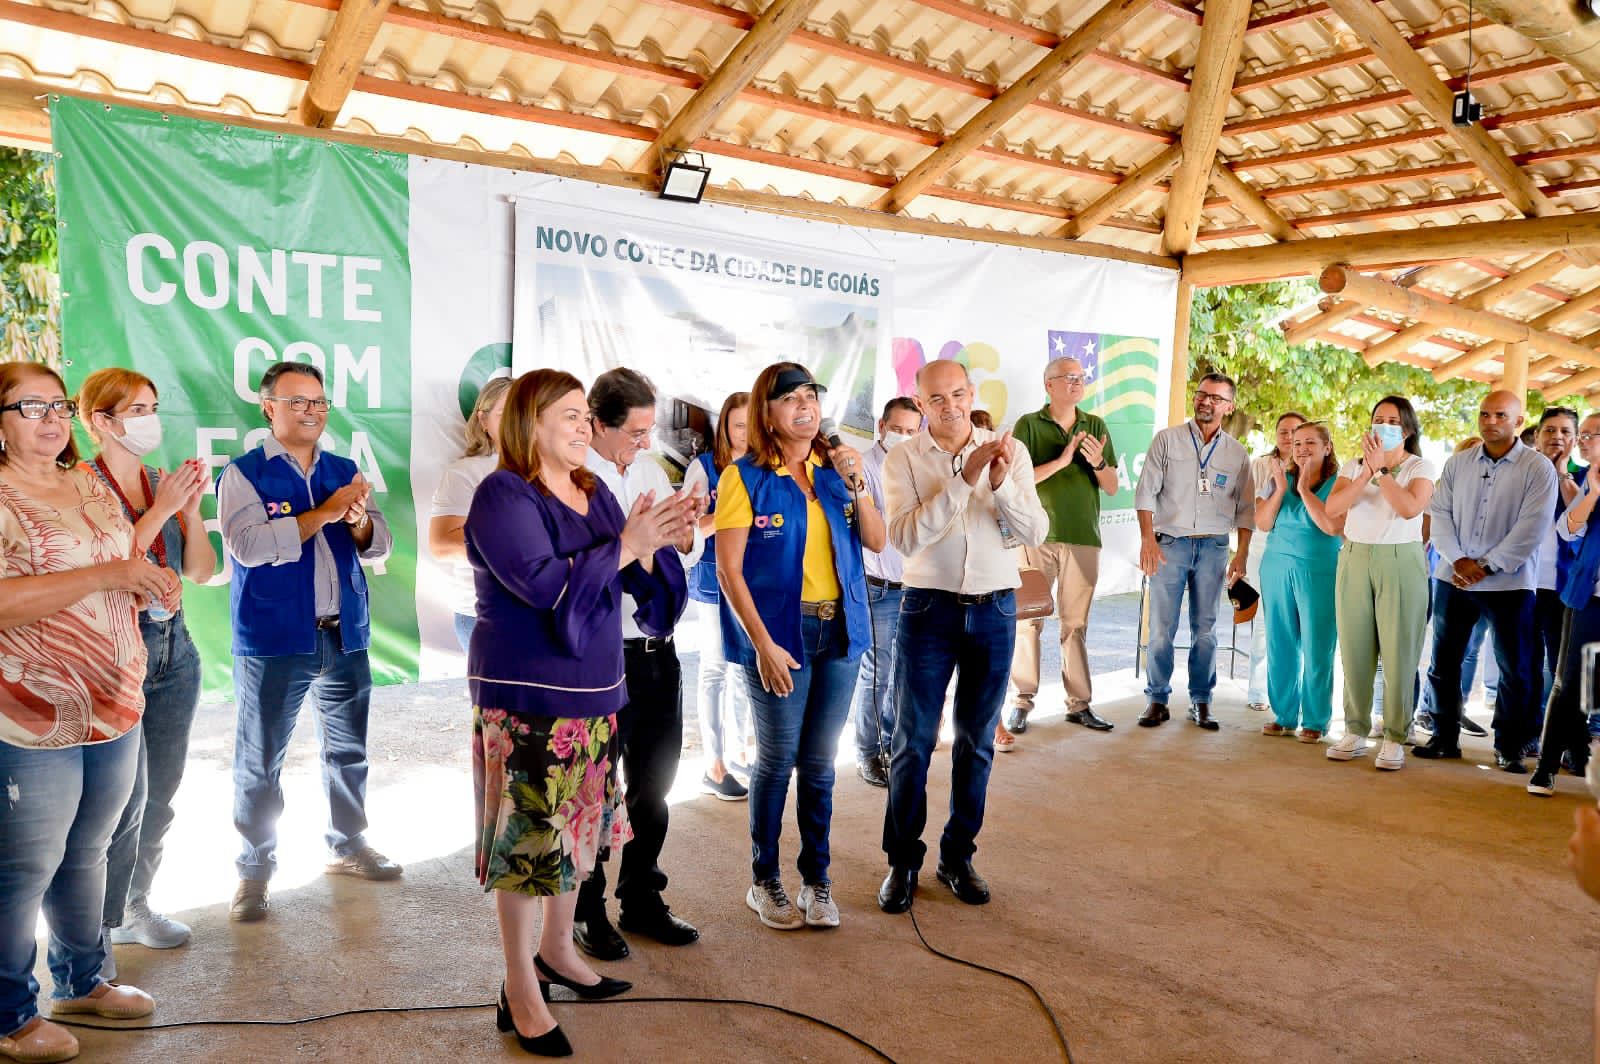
(551,554)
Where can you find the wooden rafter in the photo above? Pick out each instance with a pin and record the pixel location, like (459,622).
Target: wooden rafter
(1130,188)
(1250,203)
(1003,108)
(755,48)
(1329,63)
(1221,40)
(338,65)
(1564,30)
(1332,312)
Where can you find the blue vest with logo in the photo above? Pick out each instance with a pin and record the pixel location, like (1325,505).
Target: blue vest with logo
(774,560)
(703,577)
(275,606)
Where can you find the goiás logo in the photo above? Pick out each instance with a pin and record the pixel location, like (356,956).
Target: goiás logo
(279,509)
(769,525)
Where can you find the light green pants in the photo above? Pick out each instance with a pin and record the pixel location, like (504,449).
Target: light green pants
(1382,607)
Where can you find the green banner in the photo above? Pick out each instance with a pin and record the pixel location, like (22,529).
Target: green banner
(198,254)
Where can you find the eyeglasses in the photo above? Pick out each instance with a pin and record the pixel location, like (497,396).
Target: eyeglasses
(638,438)
(1585,437)
(1072,379)
(1211,397)
(300,404)
(34,409)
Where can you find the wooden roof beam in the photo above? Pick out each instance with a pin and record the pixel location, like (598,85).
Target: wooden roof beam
(1557,27)
(1221,41)
(1521,236)
(1131,187)
(1102,24)
(344,51)
(733,74)
(1339,61)
(1250,203)
(1334,312)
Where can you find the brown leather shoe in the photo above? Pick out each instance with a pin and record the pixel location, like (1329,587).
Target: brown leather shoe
(1200,713)
(120,1002)
(249,901)
(1154,715)
(366,863)
(39,1042)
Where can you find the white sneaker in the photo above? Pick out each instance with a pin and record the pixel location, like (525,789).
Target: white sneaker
(1348,749)
(771,903)
(152,929)
(1391,756)
(818,905)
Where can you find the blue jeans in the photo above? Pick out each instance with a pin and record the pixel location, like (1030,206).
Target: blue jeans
(464,624)
(1196,564)
(799,734)
(61,806)
(722,688)
(939,637)
(873,707)
(171,692)
(270,692)
(1469,671)
(1455,615)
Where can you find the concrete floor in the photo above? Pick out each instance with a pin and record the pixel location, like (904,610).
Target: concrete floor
(1175,895)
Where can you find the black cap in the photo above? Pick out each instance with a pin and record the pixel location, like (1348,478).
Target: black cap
(790,379)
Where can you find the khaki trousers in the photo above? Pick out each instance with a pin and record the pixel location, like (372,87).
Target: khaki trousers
(1073,570)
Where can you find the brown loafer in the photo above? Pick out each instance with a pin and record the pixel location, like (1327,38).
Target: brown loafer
(39,1042)
(1200,713)
(249,901)
(366,863)
(120,1002)
(1154,715)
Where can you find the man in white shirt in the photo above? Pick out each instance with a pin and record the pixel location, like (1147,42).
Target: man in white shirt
(961,501)
(872,712)
(622,411)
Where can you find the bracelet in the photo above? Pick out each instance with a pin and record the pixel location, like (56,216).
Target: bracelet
(1099,467)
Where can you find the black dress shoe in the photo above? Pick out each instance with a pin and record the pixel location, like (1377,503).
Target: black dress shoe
(1089,719)
(605,988)
(596,937)
(1510,763)
(1472,727)
(1153,716)
(1432,751)
(873,771)
(1200,713)
(899,886)
(550,1044)
(656,921)
(965,882)
(1017,720)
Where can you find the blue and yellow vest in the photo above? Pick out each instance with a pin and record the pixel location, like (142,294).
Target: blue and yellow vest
(274,606)
(703,577)
(774,559)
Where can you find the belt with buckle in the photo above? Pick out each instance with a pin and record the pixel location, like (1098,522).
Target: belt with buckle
(649,643)
(822,611)
(887,585)
(976,600)
(327,624)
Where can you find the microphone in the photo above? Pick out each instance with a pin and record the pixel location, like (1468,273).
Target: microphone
(830,432)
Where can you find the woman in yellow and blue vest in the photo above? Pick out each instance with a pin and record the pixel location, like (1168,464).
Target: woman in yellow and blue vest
(792,520)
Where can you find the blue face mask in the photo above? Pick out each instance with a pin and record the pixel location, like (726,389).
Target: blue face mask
(1389,436)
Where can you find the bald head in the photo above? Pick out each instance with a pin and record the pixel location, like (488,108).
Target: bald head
(944,392)
(1500,421)
(941,374)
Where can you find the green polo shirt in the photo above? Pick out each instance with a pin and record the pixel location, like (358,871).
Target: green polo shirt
(1072,496)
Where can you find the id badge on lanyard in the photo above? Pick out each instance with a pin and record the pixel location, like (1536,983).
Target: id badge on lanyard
(1205,484)
(1203,461)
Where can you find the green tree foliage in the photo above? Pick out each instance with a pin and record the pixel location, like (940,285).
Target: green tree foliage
(30,289)
(1235,330)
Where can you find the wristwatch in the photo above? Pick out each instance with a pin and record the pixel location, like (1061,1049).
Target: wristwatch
(1099,467)
(1384,471)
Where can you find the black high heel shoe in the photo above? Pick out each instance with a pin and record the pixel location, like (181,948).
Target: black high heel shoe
(550,1044)
(607,987)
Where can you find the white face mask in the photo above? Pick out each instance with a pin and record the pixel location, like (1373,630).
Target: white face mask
(891,440)
(142,434)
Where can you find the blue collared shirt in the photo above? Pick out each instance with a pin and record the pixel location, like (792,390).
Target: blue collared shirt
(1496,511)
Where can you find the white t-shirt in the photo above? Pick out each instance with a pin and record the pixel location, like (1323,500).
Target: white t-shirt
(453,498)
(1372,519)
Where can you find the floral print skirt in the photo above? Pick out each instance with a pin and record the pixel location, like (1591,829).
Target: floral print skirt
(547,801)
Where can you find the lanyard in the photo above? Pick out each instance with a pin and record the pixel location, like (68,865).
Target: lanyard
(1209,450)
(159,546)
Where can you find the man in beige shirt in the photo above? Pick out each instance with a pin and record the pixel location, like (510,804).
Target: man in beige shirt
(961,503)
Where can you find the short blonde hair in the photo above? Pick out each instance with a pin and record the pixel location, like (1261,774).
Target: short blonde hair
(479,442)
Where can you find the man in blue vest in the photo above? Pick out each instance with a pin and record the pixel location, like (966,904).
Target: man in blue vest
(296,522)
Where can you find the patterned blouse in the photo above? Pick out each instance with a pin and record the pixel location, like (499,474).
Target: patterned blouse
(77,675)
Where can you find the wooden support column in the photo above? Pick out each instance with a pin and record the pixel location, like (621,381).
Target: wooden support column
(1221,39)
(1178,396)
(771,30)
(355,27)
(1003,108)
(1515,378)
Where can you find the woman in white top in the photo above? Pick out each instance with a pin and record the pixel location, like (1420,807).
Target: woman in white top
(453,500)
(1261,473)
(1382,583)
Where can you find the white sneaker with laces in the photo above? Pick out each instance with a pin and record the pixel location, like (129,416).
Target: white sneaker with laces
(146,928)
(1347,749)
(1391,756)
(816,902)
(771,903)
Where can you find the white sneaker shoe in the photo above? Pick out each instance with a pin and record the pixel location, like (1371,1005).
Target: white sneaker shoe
(816,902)
(1348,749)
(152,929)
(771,903)
(1391,756)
